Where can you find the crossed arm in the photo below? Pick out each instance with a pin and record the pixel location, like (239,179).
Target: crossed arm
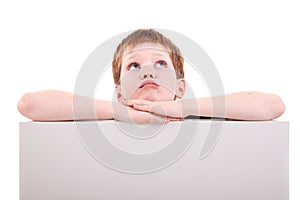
(53,105)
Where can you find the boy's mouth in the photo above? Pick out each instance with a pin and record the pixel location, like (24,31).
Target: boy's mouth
(148,83)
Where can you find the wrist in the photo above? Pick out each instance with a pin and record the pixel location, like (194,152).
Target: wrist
(103,109)
(189,107)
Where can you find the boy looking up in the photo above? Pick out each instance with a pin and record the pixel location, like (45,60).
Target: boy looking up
(149,81)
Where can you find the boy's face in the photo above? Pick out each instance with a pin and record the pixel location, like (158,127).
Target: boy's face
(147,73)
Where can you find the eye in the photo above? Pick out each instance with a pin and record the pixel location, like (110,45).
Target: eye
(161,64)
(133,66)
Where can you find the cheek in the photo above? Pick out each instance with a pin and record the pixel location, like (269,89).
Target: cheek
(129,84)
(168,79)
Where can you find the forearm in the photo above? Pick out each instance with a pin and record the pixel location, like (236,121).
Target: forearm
(53,105)
(242,106)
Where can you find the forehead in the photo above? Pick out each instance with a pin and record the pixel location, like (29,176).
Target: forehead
(145,49)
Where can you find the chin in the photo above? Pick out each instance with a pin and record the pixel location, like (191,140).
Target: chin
(148,98)
(154,98)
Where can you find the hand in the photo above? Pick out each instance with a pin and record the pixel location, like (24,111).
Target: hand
(175,109)
(126,113)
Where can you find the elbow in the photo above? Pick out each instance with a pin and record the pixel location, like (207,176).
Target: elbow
(277,107)
(24,105)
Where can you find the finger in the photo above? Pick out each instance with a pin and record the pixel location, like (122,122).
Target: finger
(175,119)
(141,107)
(155,109)
(149,118)
(123,101)
(158,119)
(142,117)
(138,101)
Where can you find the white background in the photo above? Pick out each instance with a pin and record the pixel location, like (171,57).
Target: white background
(255,45)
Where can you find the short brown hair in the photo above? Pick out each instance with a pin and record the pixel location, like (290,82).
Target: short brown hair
(147,35)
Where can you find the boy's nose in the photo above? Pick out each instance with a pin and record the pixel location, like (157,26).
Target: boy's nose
(148,72)
(147,75)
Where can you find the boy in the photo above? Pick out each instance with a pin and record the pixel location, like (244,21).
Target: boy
(149,81)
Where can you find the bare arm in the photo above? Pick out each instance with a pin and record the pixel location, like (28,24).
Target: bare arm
(239,106)
(54,105)
(242,106)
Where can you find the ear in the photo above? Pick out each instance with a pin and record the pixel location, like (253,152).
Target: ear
(181,85)
(118,92)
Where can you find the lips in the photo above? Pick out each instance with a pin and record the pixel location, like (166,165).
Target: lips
(149,84)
